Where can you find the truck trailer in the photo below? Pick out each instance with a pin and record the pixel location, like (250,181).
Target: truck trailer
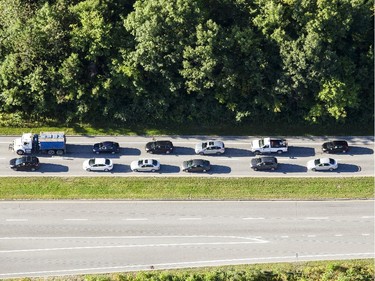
(45,142)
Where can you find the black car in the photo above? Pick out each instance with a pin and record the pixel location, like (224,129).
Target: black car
(196,165)
(335,146)
(106,147)
(264,163)
(162,146)
(24,163)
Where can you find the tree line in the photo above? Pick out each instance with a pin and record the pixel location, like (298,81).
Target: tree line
(196,61)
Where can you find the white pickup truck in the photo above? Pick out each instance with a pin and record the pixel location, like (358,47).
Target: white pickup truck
(269,145)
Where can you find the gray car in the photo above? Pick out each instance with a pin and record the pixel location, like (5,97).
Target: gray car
(196,165)
(264,163)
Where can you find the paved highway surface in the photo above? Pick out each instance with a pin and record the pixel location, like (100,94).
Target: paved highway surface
(359,161)
(49,238)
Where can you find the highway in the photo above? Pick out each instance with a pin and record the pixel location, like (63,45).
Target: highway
(359,161)
(55,238)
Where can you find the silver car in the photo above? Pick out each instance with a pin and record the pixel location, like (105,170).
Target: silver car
(145,165)
(98,164)
(210,147)
(322,164)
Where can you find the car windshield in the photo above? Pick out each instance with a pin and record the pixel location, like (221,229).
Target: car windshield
(19,161)
(317,162)
(204,144)
(332,161)
(91,162)
(107,161)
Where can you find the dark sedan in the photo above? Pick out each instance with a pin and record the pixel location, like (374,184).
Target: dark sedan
(24,163)
(106,147)
(196,165)
(335,146)
(264,163)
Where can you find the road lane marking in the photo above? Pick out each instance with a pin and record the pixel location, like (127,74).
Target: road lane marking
(135,219)
(13,220)
(249,218)
(367,217)
(317,218)
(186,219)
(75,219)
(365,234)
(338,235)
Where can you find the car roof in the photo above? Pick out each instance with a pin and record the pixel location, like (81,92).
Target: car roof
(268,158)
(100,160)
(325,160)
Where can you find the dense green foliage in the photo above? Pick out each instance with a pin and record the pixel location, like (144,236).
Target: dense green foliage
(186,188)
(352,270)
(196,61)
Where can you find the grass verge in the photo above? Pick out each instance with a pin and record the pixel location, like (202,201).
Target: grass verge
(186,188)
(300,271)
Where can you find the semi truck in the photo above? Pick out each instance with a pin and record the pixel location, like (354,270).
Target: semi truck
(269,145)
(45,142)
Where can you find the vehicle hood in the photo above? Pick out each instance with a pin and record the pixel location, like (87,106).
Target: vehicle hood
(255,144)
(310,164)
(198,147)
(12,162)
(254,162)
(327,145)
(134,165)
(184,164)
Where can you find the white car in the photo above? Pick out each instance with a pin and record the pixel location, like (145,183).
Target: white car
(145,165)
(322,164)
(98,164)
(210,147)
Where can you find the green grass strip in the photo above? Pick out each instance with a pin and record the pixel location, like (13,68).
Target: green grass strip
(186,188)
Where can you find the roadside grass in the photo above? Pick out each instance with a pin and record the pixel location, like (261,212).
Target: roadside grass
(337,270)
(186,188)
(246,129)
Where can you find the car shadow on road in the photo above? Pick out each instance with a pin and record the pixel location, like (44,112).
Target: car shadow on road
(53,168)
(120,168)
(219,169)
(169,169)
(347,168)
(183,150)
(290,168)
(298,151)
(237,152)
(358,150)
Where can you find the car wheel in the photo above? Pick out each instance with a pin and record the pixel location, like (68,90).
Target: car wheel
(255,169)
(153,170)
(257,152)
(204,171)
(313,169)
(33,169)
(20,152)
(97,152)
(344,151)
(218,153)
(88,170)
(135,170)
(279,151)
(272,169)
(331,169)
(167,152)
(113,152)
(201,153)
(106,170)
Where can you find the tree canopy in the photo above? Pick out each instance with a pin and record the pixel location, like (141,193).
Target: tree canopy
(203,61)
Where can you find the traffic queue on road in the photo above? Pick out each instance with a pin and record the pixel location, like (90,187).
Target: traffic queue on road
(55,143)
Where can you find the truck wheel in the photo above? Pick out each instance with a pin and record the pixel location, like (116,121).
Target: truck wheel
(51,152)
(33,169)
(279,151)
(20,152)
(88,170)
(257,152)
(60,152)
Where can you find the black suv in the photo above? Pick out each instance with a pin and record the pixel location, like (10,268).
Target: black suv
(159,147)
(264,163)
(335,146)
(106,147)
(25,163)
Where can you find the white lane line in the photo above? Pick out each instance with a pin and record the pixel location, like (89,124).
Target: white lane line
(317,218)
(285,236)
(75,219)
(250,218)
(12,220)
(311,235)
(367,217)
(365,234)
(189,219)
(338,235)
(186,264)
(136,219)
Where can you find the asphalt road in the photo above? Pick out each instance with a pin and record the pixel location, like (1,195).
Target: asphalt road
(359,161)
(49,238)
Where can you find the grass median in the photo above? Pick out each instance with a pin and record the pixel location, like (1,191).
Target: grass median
(186,188)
